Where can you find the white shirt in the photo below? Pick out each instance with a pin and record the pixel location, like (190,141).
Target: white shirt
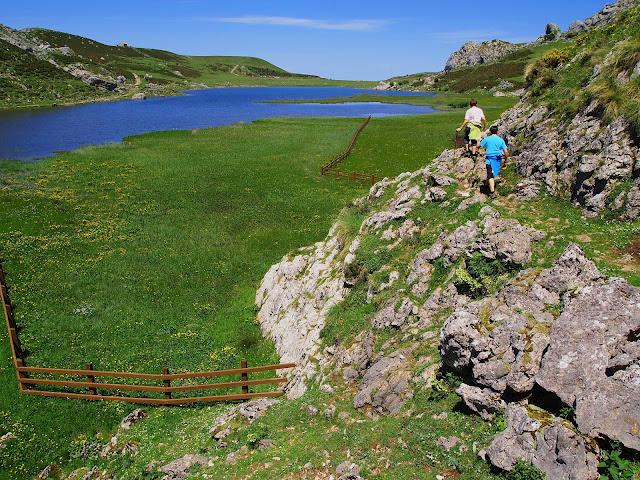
(474,115)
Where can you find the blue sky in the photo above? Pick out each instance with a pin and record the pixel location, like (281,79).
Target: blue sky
(345,39)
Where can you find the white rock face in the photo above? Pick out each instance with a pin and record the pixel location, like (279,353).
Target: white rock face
(294,299)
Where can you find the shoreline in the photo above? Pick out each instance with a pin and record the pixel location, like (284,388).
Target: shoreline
(129,95)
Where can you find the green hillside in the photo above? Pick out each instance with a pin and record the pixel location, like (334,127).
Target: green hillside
(510,68)
(29,78)
(25,79)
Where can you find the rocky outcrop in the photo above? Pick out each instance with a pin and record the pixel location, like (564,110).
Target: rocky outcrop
(178,469)
(604,17)
(294,299)
(552,32)
(386,384)
(593,360)
(547,442)
(44,51)
(588,357)
(472,53)
(582,160)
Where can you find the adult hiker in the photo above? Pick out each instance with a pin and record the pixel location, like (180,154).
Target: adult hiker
(476,122)
(495,148)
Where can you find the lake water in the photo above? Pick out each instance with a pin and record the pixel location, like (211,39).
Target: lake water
(37,133)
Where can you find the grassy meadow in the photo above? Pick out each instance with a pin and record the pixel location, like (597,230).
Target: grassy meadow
(147,255)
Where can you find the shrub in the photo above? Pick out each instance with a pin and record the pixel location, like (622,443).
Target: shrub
(525,471)
(555,57)
(480,277)
(567,413)
(615,467)
(541,74)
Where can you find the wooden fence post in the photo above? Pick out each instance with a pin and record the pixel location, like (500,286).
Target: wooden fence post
(167,383)
(20,375)
(92,379)
(15,342)
(244,376)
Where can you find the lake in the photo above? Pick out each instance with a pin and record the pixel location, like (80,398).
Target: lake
(38,133)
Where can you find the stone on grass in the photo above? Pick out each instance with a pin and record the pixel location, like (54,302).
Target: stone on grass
(178,469)
(549,443)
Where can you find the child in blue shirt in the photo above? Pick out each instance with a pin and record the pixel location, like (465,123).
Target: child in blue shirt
(495,148)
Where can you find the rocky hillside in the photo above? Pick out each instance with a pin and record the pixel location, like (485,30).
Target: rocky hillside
(499,66)
(538,335)
(472,53)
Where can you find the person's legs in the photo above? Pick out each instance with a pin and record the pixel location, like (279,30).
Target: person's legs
(466,139)
(493,170)
(490,179)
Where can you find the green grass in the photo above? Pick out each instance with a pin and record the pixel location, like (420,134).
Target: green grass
(568,87)
(24,79)
(391,145)
(387,448)
(165,238)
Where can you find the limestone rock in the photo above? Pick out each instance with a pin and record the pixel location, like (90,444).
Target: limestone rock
(582,160)
(447,443)
(593,361)
(506,240)
(472,53)
(294,299)
(484,401)
(6,438)
(395,314)
(250,411)
(602,18)
(134,417)
(386,384)
(499,341)
(552,32)
(549,443)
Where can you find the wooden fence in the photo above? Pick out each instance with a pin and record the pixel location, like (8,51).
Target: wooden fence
(329,167)
(457,141)
(47,382)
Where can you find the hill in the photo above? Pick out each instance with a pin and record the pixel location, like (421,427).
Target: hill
(496,65)
(43,67)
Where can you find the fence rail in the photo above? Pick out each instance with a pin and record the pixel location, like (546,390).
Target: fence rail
(88,388)
(329,167)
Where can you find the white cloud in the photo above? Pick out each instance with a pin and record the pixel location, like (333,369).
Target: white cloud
(348,25)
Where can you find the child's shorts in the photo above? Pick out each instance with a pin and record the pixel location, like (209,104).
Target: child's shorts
(493,166)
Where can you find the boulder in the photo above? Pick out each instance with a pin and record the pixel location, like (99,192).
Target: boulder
(552,32)
(484,401)
(395,314)
(134,417)
(386,384)
(506,240)
(139,96)
(547,442)
(593,361)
